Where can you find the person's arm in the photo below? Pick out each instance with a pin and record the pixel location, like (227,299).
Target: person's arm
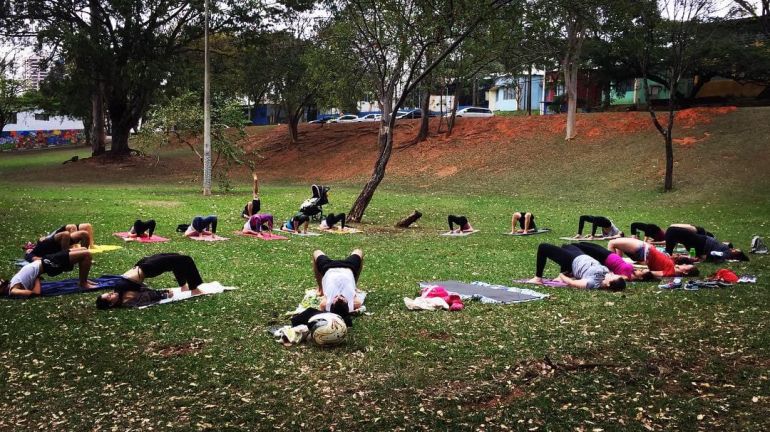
(18,290)
(574,283)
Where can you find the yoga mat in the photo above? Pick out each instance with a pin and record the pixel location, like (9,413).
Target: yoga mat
(460,234)
(70,286)
(104,248)
(588,239)
(307,234)
(553,283)
(208,238)
(263,236)
(488,293)
(540,231)
(347,230)
(209,288)
(312,300)
(126,236)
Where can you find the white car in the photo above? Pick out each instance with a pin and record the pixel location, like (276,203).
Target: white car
(473,112)
(370,118)
(347,118)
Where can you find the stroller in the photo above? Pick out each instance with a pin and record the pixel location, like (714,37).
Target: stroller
(313,207)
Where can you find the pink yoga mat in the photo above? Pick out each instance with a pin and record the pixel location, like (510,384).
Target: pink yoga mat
(546,282)
(208,238)
(263,236)
(141,239)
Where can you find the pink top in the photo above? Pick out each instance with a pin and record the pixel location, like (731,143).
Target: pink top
(617,265)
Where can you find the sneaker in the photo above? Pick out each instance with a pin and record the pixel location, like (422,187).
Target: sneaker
(692,285)
(758,245)
(674,284)
(747,279)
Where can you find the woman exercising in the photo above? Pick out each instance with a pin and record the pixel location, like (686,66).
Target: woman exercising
(660,264)
(141,227)
(612,261)
(608,228)
(525,220)
(588,273)
(258,223)
(26,282)
(652,232)
(297,222)
(461,221)
(706,248)
(202,226)
(332,219)
(60,240)
(131,291)
(694,228)
(254,205)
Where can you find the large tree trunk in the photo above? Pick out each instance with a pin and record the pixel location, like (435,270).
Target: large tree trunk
(455,102)
(120,134)
(293,124)
(97,135)
(422,135)
(385,141)
(575,38)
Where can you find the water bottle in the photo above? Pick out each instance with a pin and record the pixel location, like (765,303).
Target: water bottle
(691,252)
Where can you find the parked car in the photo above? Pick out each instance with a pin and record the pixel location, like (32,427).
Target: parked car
(324,118)
(370,118)
(472,112)
(347,118)
(413,114)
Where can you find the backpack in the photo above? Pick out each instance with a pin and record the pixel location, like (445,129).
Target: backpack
(758,245)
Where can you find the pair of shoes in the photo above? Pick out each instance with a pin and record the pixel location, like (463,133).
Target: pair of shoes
(692,285)
(674,284)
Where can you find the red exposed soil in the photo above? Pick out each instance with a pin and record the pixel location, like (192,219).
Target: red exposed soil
(334,152)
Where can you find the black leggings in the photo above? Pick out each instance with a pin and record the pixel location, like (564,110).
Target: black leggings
(687,238)
(332,219)
(142,227)
(593,250)
(462,221)
(597,221)
(650,230)
(561,255)
(255,206)
(522,221)
(200,223)
(702,231)
(182,266)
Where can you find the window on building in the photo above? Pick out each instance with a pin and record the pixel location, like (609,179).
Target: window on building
(509,93)
(42,117)
(12,118)
(655,90)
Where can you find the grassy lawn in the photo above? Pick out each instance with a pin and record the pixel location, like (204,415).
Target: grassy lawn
(638,360)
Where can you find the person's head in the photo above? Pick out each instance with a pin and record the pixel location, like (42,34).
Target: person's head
(686,270)
(614,282)
(108,300)
(5,288)
(736,254)
(300,219)
(340,307)
(643,275)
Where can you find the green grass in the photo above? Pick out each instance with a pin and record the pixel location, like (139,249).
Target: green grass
(653,360)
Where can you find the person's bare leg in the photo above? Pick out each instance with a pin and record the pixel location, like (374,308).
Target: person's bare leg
(255,186)
(318,277)
(514,221)
(249,209)
(527,221)
(64,239)
(70,228)
(360,253)
(90,230)
(82,258)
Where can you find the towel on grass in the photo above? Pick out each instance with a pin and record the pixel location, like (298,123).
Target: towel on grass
(104,248)
(459,234)
(208,288)
(208,238)
(71,286)
(264,235)
(313,300)
(553,283)
(488,293)
(301,234)
(346,230)
(539,231)
(126,236)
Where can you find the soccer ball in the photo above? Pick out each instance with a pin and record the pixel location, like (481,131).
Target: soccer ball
(327,329)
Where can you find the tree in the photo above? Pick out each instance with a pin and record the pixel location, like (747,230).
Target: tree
(673,35)
(11,89)
(389,38)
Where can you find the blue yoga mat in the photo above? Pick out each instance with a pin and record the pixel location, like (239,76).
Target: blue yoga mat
(70,286)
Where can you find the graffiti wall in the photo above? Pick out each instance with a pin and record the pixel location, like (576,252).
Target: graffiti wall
(25,140)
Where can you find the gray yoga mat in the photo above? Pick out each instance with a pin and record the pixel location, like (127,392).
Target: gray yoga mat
(488,293)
